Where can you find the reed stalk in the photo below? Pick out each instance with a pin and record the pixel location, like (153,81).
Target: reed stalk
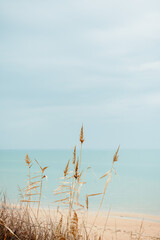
(41,181)
(109,174)
(28,162)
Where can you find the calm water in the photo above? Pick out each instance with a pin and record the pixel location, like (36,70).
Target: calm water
(135,189)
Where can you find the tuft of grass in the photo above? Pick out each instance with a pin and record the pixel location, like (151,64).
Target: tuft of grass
(32,193)
(17,222)
(72,182)
(23,224)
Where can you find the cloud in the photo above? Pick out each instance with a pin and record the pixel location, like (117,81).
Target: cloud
(127,38)
(150,66)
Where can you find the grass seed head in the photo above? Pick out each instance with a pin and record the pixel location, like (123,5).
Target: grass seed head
(66,169)
(76,169)
(27,159)
(74,155)
(87,202)
(74,225)
(115,157)
(81,135)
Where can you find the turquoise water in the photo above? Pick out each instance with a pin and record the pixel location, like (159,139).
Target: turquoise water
(135,189)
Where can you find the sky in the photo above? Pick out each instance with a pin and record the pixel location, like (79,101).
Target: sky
(64,63)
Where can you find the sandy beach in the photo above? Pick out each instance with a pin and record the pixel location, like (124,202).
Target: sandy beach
(123,226)
(117,225)
(108,225)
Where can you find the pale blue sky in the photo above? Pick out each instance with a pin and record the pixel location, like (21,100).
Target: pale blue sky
(67,62)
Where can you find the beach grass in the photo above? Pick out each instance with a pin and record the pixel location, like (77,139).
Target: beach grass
(69,220)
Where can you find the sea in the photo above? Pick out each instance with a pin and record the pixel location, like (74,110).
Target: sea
(134,186)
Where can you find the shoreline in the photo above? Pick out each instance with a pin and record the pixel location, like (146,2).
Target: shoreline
(135,216)
(108,225)
(112,214)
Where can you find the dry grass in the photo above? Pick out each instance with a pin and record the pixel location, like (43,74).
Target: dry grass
(32,193)
(19,223)
(71,185)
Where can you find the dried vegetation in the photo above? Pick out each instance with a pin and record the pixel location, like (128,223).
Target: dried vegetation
(20,223)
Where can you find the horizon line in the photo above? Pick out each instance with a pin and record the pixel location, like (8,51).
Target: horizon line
(64,149)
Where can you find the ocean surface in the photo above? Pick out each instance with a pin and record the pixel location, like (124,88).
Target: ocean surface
(135,189)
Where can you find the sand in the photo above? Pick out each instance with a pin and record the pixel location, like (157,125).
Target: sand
(120,226)
(124,226)
(113,225)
